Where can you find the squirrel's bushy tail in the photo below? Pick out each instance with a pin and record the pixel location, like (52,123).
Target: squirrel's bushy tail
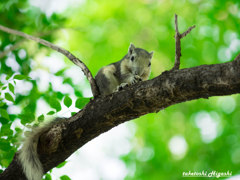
(28,156)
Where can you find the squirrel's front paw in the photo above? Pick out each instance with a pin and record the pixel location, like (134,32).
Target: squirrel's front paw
(136,79)
(121,86)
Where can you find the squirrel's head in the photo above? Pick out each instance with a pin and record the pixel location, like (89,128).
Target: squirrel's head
(139,60)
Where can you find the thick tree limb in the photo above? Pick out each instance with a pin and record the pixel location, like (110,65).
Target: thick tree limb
(104,113)
(178,36)
(69,55)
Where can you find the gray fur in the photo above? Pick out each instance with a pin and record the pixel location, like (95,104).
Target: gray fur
(102,83)
(28,155)
(125,72)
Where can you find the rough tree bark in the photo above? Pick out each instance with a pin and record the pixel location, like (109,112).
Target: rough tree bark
(103,113)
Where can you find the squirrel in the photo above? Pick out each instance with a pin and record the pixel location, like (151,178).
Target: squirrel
(135,66)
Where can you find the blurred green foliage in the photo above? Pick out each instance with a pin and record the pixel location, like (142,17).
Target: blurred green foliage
(99,32)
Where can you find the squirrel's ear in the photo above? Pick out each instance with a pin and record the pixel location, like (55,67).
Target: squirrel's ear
(131,49)
(151,54)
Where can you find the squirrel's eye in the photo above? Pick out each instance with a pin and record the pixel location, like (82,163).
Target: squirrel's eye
(149,64)
(132,58)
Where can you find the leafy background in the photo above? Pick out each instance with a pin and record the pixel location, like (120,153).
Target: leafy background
(38,84)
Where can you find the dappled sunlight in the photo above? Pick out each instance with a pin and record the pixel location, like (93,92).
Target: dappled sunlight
(224,54)
(178,146)
(11,62)
(54,6)
(54,62)
(227,104)
(145,154)
(237,177)
(23,87)
(207,125)
(22,53)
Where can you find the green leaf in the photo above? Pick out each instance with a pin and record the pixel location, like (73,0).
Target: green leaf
(60,95)
(6,131)
(51,113)
(9,97)
(67,80)
(4,163)
(8,77)
(5,144)
(4,114)
(67,101)
(65,177)
(3,120)
(48,177)
(60,73)
(72,113)
(26,118)
(4,87)
(81,102)
(55,104)
(19,130)
(21,77)
(41,118)
(62,164)
(2,104)
(11,87)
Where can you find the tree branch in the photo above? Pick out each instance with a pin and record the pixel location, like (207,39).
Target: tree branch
(69,55)
(104,113)
(178,36)
(17,44)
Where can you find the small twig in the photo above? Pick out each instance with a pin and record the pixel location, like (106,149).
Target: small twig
(176,23)
(187,31)
(17,44)
(69,55)
(178,36)
(177,45)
